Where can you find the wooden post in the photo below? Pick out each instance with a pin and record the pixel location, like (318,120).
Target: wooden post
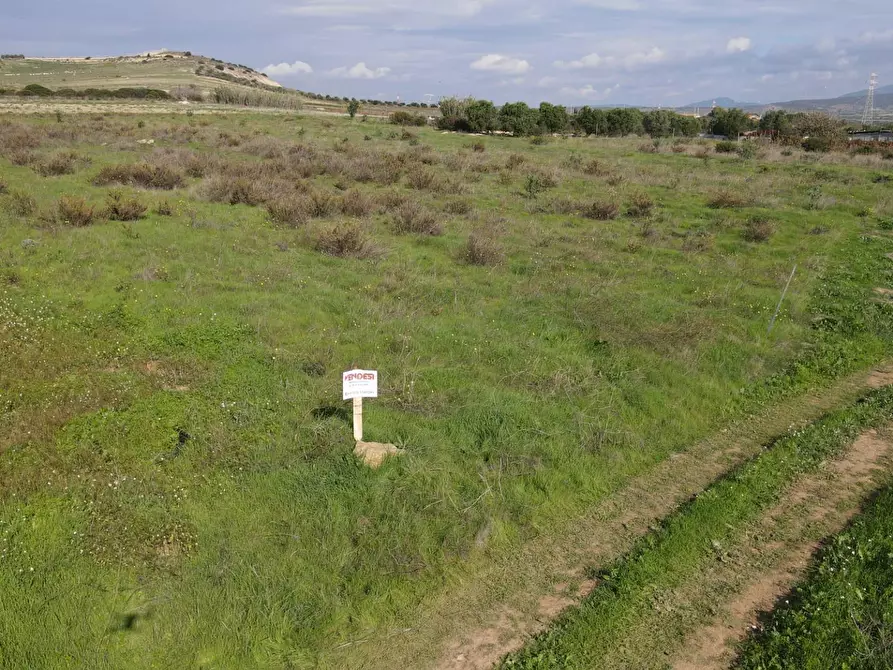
(358,419)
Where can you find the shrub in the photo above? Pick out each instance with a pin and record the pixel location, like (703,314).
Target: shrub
(748,150)
(21,157)
(59,164)
(403,118)
(3,187)
(412,217)
(288,211)
(390,200)
(346,239)
(641,206)
(20,203)
(422,180)
(596,168)
(121,208)
(164,208)
(758,229)
(320,204)
(72,210)
(482,248)
(459,207)
(817,144)
(602,210)
(515,160)
(140,174)
(356,203)
(234,191)
(479,147)
(727,200)
(726,147)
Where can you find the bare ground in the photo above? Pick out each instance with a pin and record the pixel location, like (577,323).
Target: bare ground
(476,622)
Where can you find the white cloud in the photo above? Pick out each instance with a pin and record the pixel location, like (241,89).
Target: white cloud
(360,71)
(545,82)
(630,60)
(738,45)
(343,8)
(617,5)
(500,63)
(589,92)
(283,69)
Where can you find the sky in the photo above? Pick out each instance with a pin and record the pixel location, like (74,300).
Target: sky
(574,52)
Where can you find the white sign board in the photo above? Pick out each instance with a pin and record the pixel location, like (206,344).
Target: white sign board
(360,384)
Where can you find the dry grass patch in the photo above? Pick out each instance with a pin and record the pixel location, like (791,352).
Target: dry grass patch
(143,175)
(412,217)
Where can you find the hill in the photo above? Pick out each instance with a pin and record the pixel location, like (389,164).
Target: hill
(721,102)
(153,69)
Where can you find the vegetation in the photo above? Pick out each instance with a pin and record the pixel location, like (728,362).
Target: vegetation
(226,95)
(549,322)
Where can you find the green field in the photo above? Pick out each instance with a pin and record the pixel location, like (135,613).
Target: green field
(549,321)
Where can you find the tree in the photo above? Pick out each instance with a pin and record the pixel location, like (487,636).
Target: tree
(353,107)
(624,121)
(590,121)
(518,119)
(685,126)
(553,117)
(729,122)
(481,116)
(658,123)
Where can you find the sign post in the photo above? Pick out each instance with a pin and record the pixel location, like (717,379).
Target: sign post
(356,385)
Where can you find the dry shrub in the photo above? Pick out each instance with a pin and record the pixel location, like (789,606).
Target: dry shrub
(140,174)
(379,169)
(16,137)
(265,147)
(345,239)
(649,148)
(320,204)
(641,206)
(58,164)
(680,148)
(727,199)
(71,210)
(22,157)
(482,248)
(422,180)
(192,163)
(20,203)
(412,217)
(559,205)
(288,211)
(515,161)
(118,207)
(758,229)
(391,200)
(615,180)
(548,178)
(596,168)
(3,187)
(698,242)
(238,191)
(479,147)
(602,210)
(458,207)
(356,203)
(505,179)
(164,208)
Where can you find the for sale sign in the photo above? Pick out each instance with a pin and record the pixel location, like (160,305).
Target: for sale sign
(360,384)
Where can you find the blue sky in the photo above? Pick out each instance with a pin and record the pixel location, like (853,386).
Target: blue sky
(648,52)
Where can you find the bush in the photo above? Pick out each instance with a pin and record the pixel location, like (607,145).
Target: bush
(288,211)
(817,144)
(62,163)
(726,147)
(72,210)
(748,150)
(140,174)
(596,168)
(164,208)
(356,203)
(3,187)
(602,210)
(20,203)
(728,200)
(758,229)
(641,206)
(459,207)
(403,118)
(344,240)
(414,218)
(121,208)
(482,249)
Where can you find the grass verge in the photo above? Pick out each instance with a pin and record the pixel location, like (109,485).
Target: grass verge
(687,540)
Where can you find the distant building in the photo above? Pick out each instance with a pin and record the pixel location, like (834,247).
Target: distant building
(871,136)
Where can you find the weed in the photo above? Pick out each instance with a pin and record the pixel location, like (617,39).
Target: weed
(71,210)
(345,239)
(459,207)
(727,199)
(20,203)
(748,150)
(164,208)
(4,188)
(602,210)
(515,160)
(725,147)
(288,211)
(482,248)
(641,206)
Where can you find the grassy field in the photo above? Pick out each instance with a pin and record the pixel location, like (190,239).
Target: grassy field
(549,320)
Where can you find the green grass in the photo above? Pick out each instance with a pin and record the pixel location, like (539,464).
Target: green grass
(176,458)
(839,615)
(689,539)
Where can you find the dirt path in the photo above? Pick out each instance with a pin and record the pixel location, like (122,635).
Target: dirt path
(476,622)
(816,507)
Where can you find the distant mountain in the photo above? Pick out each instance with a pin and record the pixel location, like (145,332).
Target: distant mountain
(864,92)
(722,102)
